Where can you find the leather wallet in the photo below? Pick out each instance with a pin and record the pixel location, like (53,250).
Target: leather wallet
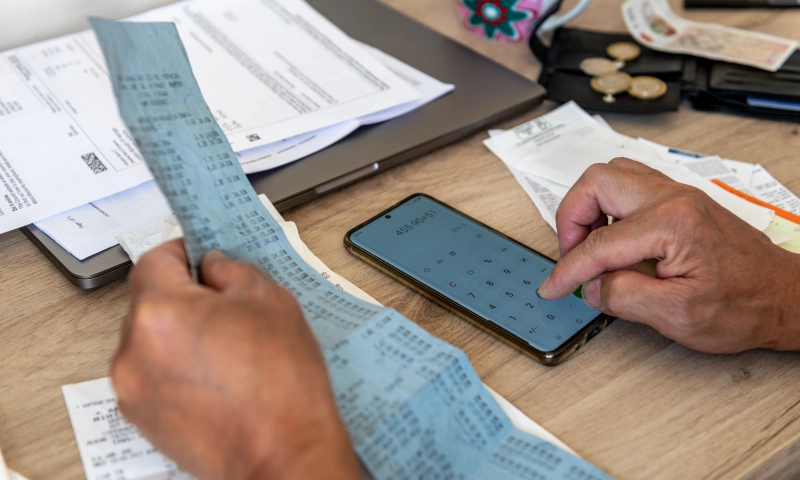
(564,80)
(706,84)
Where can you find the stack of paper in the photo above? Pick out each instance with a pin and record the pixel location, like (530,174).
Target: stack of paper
(548,154)
(282,81)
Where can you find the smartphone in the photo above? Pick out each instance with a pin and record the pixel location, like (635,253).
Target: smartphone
(478,273)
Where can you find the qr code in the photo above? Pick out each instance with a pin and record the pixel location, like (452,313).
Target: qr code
(254,137)
(94,163)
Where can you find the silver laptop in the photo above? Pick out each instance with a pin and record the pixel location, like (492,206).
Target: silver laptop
(485,94)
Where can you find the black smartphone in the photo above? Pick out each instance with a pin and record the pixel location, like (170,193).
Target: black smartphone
(478,273)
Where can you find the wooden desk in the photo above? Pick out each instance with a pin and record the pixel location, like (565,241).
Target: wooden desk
(634,403)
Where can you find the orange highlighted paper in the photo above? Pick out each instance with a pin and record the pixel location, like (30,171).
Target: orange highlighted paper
(778,211)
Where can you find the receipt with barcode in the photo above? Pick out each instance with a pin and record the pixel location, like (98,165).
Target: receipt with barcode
(413,405)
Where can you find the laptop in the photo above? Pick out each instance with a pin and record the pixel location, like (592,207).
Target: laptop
(486,93)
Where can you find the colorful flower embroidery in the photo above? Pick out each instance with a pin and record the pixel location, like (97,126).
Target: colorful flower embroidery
(498,16)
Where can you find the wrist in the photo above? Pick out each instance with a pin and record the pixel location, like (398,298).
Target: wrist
(785,333)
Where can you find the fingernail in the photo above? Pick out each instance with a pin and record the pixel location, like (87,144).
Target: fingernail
(591,293)
(542,288)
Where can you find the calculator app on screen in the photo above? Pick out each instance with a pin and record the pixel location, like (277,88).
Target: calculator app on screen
(489,274)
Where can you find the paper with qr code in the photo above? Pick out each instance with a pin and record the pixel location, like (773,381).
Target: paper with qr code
(92,228)
(413,405)
(653,24)
(271,69)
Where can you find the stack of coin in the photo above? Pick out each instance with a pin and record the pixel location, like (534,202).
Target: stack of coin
(608,80)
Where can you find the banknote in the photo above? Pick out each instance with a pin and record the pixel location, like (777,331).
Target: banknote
(655,25)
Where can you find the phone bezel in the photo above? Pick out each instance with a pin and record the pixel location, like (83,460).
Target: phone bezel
(554,357)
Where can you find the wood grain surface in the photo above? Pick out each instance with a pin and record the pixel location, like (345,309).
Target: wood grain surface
(632,402)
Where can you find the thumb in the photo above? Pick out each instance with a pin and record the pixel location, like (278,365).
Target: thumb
(631,295)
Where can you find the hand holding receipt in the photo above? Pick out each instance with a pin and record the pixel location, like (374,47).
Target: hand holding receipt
(412,404)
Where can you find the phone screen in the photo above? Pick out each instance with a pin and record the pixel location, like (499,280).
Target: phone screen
(489,274)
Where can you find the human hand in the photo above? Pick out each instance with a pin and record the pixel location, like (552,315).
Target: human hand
(226,378)
(721,286)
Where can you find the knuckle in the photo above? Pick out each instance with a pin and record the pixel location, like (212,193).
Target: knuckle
(619,161)
(689,209)
(150,316)
(595,240)
(596,171)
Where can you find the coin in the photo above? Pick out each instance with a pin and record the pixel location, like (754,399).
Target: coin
(598,66)
(623,52)
(611,84)
(647,87)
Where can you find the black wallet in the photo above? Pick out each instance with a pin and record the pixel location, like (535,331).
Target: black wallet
(745,90)
(707,84)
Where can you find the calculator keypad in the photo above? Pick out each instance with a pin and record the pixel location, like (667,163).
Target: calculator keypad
(498,281)
(490,275)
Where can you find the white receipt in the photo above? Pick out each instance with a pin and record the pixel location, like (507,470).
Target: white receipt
(743,170)
(286,151)
(545,200)
(92,228)
(773,192)
(708,167)
(562,144)
(112,449)
(268,69)
(746,177)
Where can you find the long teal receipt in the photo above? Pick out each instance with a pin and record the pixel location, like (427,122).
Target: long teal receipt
(413,405)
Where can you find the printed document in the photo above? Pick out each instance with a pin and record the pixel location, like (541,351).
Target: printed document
(270,70)
(746,177)
(561,145)
(92,228)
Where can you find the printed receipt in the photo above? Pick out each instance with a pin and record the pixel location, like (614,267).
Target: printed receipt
(412,404)
(112,449)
